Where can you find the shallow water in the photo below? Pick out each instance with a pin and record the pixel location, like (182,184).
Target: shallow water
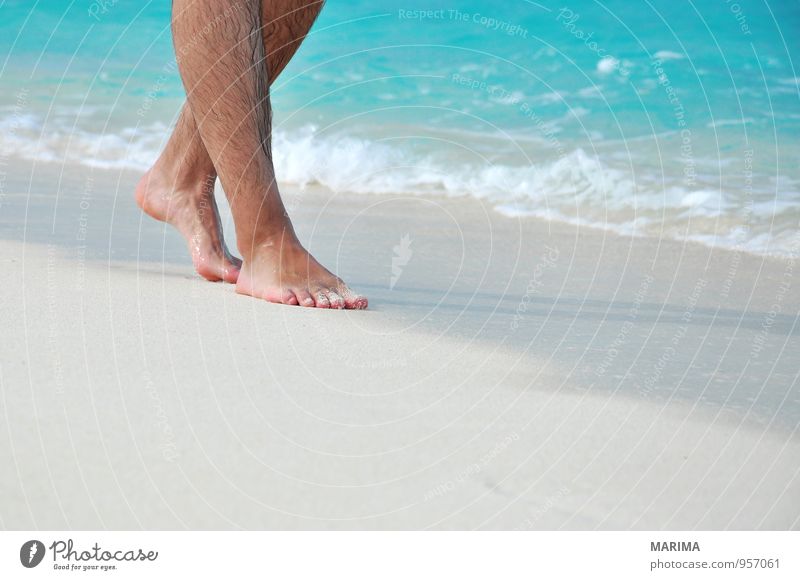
(664,118)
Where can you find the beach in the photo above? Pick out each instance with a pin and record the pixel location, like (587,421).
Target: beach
(510,373)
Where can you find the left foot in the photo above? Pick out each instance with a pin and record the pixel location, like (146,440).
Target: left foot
(193,212)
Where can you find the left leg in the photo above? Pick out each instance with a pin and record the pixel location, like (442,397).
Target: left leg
(179,190)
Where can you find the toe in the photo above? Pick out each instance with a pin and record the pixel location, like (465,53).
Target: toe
(352,301)
(277,296)
(230,271)
(335,300)
(230,275)
(321,299)
(304,298)
(208,268)
(210,274)
(358,302)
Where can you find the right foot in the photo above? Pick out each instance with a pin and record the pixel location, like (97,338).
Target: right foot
(282,271)
(193,212)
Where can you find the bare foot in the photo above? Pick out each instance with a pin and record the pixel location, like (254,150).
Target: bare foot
(285,273)
(193,212)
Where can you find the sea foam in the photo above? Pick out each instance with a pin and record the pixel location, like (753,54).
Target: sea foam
(577,187)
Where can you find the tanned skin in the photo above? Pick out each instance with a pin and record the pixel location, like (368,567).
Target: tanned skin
(228,55)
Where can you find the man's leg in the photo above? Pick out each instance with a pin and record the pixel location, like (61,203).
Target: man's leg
(179,189)
(223,69)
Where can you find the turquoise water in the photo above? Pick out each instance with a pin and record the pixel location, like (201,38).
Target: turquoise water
(666,118)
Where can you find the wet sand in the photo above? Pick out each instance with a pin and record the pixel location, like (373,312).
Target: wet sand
(510,374)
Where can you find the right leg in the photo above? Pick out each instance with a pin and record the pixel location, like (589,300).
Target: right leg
(179,188)
(226,83)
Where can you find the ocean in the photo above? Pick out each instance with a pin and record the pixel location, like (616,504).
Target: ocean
(664,118)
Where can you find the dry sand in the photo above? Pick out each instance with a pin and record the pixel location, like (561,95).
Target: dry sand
(510,374)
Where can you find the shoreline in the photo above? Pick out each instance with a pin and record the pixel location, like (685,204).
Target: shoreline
(786,251)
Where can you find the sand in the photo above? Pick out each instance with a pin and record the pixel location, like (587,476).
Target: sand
(510,374)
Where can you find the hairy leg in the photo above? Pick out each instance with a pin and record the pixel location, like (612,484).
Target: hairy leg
(224,72)
(179,188)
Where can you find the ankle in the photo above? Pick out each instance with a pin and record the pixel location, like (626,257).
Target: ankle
(182,176)
(267,237)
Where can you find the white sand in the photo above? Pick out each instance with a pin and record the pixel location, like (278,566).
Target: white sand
(518,374)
